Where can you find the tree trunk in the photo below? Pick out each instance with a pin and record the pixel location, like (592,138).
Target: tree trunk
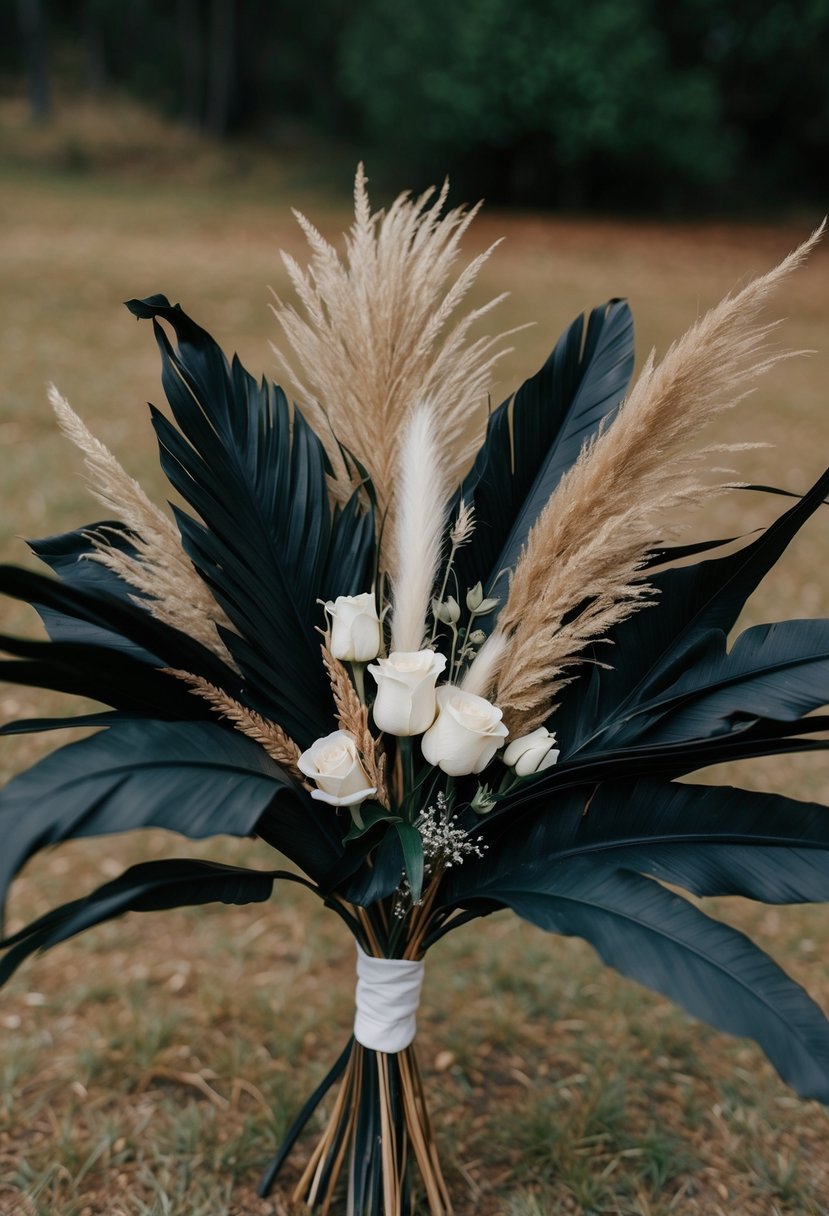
(222,67)
(93,33)
(33,38)
(191,41)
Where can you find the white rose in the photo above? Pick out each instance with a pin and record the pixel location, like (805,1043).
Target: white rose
(405,703)
(355,627)
(466,734)
(335,765)
(531,753)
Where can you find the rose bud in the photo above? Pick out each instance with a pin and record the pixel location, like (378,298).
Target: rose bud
(531,753)
(356,634)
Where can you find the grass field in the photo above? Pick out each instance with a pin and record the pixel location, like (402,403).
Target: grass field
(151,1066)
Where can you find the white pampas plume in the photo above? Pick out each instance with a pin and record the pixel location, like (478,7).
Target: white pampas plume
(418,530)
(482,672)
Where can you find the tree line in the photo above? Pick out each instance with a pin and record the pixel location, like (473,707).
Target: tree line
(607,104)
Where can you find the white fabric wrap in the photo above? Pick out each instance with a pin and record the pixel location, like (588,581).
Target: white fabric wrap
(387,997)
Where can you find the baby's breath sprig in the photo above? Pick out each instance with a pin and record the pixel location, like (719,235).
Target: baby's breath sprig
(445,844)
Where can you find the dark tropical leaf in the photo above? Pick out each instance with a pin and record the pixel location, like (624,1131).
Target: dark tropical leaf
(370,817)
(115,614)
(667,554)
(668,760)
(710,840)
(654,648)
(534,437)
(255,474)
(149,887)
(413,861)
(778,671)
(110,676)
(195,778)
(369,883)
(659,939)
(351,551)
(32,726)
(71,556)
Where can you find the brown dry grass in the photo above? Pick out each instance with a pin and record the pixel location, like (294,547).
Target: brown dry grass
(150,1066)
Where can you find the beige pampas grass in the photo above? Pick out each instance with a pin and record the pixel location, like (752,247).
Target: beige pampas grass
(590,542)
(377,334)
(279,746)
(161,569)
(422,491)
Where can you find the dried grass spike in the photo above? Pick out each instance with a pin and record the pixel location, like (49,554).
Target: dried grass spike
(279,745)
(352,716)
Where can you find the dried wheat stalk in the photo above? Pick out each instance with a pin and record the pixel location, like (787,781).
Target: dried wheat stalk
(592,539)
(352,716)
(161,569)
(376,336)
(279,745)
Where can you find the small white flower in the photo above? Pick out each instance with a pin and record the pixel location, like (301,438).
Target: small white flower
(334,764)
(405,703)
(531,753)
(466,733)
(355,628)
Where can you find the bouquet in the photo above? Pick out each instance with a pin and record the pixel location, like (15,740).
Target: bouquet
(443,669)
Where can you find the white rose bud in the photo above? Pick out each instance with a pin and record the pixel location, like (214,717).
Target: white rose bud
(405,703)
(355,628)
(334,764)
(466,733)
(531,753)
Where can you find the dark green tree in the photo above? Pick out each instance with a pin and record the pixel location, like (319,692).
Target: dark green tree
(540,100)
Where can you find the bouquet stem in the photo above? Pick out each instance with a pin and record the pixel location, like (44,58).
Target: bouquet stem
(380,1128)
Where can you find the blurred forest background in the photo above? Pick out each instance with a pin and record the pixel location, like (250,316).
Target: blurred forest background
(694,105)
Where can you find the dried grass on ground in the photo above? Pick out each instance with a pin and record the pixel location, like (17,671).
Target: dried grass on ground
(150,1066)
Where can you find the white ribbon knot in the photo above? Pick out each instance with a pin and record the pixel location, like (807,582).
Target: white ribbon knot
(387,997)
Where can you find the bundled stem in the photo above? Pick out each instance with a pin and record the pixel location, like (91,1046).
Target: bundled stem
(380,1124)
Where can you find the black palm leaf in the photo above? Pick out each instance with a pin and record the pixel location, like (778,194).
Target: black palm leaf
(664,942)
(264,541)
(107,647)
(152,886)
(536,435)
